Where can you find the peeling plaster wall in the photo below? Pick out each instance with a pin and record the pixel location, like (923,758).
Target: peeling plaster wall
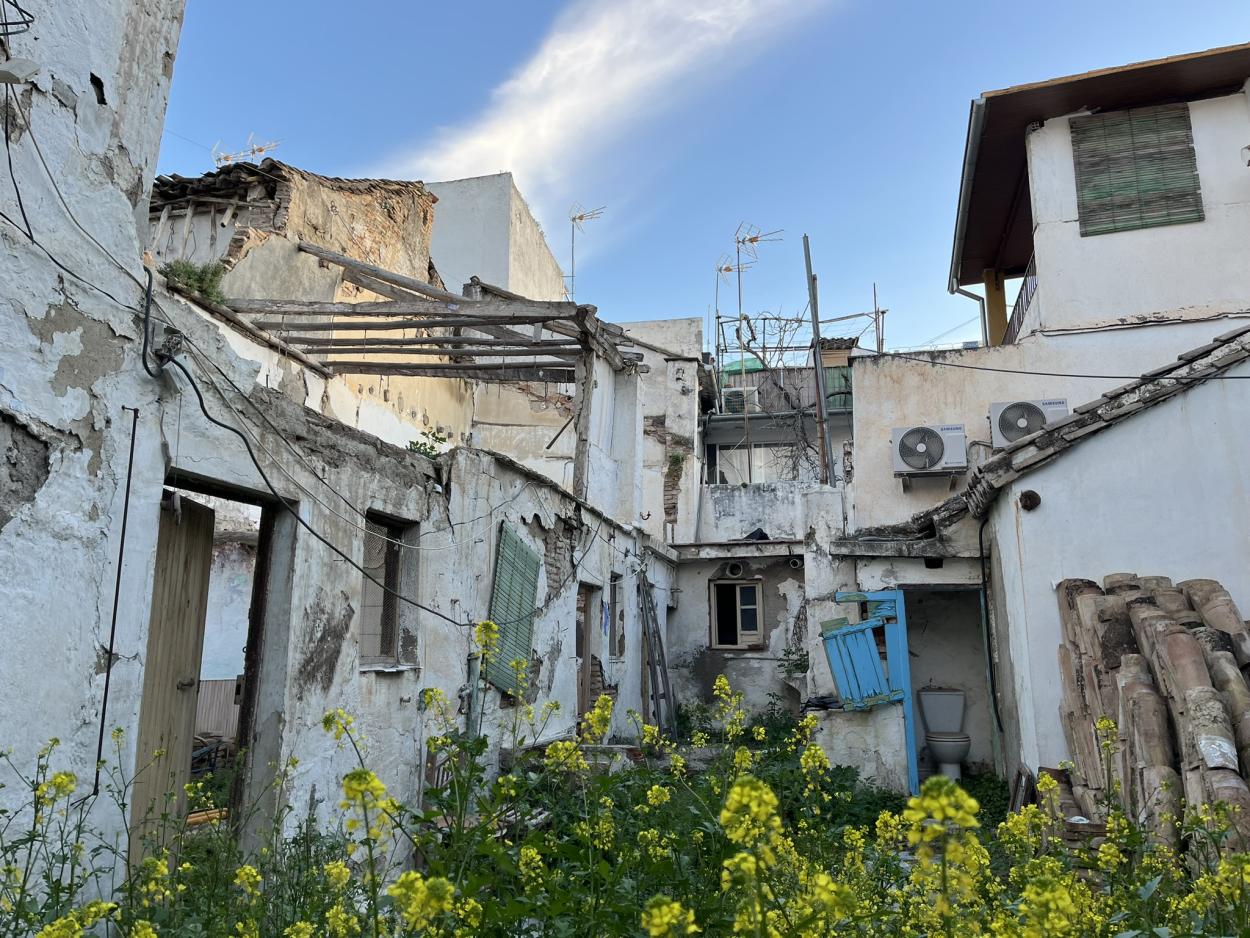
(694,664)
(1176,512)
(229,600)
(898,392)
(68,365)
(68,368)
(672,455)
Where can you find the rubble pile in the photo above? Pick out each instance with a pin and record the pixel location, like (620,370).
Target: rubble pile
(1164,661)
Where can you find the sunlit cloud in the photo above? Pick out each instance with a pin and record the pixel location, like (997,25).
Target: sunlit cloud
(602,71)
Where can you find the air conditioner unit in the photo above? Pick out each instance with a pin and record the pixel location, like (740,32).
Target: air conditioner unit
(941,449)
(1012,420)
(742,400)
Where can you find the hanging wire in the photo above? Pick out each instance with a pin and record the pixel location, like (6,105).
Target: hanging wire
(14,27)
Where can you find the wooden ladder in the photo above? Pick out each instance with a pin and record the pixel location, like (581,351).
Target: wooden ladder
(657,664)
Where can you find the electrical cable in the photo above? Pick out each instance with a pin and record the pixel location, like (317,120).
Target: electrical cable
(8,151)
(16,27)
(148,303)
(117,590)
(1052,374)
(247,445)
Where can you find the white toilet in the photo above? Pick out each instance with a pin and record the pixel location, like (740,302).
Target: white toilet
(943,711)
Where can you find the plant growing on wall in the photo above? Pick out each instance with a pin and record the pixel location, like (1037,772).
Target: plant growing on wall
(201,279)
(430,445)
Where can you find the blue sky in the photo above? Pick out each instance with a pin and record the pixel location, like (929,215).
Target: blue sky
(843,119)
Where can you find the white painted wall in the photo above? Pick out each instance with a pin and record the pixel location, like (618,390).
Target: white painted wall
(483,227)
(1190,270)
(1162,493)
(229,601)
(899,392)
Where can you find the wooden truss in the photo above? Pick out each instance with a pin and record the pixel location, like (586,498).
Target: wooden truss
(486,334)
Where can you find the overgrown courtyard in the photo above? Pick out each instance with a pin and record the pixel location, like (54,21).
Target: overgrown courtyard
(742,829)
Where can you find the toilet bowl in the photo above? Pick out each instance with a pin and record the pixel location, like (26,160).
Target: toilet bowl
(943,711)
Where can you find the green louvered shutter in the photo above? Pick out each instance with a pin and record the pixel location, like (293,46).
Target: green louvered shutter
(513,598)
(1135,169)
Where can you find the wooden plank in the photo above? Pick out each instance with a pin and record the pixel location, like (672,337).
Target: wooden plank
(380,287)
(402,367)
(389,325)
(312,342)
(399,280)
(171,670)
(252,329)
(473,352)
(584,378)
(505,313)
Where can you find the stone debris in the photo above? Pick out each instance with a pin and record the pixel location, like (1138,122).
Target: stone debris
(1166,662)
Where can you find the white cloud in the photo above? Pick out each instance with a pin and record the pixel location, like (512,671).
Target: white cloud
(603,68)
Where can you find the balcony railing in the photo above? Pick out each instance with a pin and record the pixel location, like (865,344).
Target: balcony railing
(1023,299)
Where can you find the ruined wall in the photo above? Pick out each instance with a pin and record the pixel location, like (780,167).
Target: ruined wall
(382,222)
(672,456)
(94,108)
(694,664)
(69,370)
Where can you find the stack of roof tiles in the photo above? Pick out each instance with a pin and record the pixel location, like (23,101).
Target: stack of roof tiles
(1165,661)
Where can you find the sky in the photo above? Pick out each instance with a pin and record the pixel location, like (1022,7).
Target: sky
(841,119)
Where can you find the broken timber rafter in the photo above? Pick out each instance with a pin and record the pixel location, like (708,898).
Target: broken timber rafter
(386,276)
(492,352)
(390,325)
(436,340)
(504,312)
(558,373)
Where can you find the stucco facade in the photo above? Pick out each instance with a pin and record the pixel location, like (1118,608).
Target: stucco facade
(1185,271)
(484,228)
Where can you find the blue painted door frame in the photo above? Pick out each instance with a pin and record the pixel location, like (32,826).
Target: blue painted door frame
(863,682)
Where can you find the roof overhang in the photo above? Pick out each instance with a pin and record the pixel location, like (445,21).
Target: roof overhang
(994,221)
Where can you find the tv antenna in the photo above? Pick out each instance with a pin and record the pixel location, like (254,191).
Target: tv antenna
(747,240)
(248,153)
(578,216)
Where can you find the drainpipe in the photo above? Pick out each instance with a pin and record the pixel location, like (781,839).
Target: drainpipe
(986,634)
(985,326)
(976,120)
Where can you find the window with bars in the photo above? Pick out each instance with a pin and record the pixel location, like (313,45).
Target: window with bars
(513,599)
(379,614)
(1135,169)
(737,611)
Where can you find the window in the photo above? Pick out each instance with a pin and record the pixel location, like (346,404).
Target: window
(736,614)
(1135,169)
(742,464)
(379,614)
(513,598)
(616,618)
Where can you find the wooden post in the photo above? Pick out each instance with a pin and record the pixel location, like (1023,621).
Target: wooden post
(822,413)
(583,396)
(995,306)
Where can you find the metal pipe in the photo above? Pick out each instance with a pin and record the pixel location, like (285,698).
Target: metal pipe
(985,326)
(117,586)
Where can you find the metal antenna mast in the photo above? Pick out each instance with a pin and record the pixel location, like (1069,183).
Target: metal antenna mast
(577,217)
(746,240)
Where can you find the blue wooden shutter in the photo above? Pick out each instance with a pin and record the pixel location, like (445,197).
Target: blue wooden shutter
(513,598)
